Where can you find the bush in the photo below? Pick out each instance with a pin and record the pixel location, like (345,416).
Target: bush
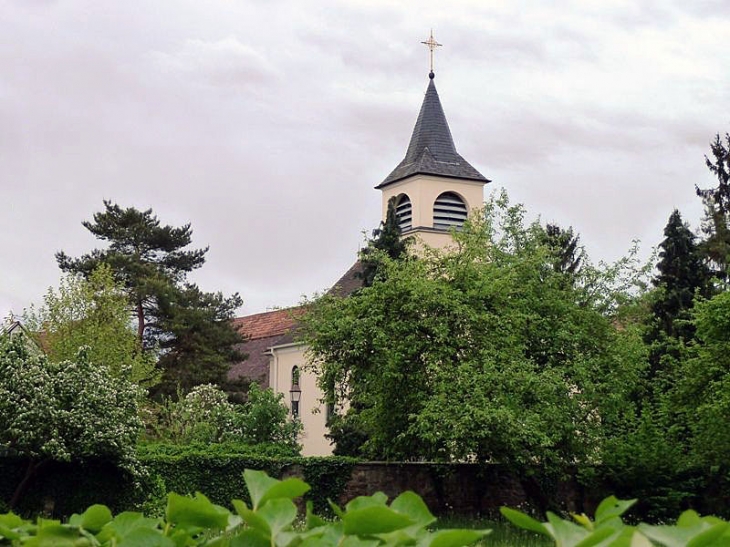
(206,416)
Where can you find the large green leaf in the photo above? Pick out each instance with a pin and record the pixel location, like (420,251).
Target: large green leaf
(145,537)
(11,520)
(279,514)
(376,519)
(413,506)
(8,533)
(287,489)
(521,520)
(253,519)
(94,518)
(354,541)
(612,507)
(258,483)
(196,512)
(711,536)
(688,519)
(124,524)
(456,538)
(669,536)
(602,536)
(250,538)
(566,533)
(57,535)
(360,502)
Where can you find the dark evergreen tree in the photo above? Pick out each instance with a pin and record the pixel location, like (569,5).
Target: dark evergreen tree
(716,224)
(565,246)
(386,239)
(191,329)
(197,342)
(682,274)
(145,257)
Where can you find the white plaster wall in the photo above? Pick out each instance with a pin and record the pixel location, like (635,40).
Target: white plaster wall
(311,411)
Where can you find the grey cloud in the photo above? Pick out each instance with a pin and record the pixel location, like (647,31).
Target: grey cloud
(226,62)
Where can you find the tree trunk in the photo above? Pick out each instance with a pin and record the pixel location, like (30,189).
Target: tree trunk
(140,324)
(31,472)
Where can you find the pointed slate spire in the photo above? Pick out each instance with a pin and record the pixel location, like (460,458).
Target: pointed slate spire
(431,150)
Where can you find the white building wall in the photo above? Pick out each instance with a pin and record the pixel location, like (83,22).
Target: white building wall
(311,410)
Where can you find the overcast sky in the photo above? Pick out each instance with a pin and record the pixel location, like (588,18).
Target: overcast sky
(266,124)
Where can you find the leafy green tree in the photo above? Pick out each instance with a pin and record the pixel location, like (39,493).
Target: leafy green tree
(386,241)
(91,312)
(480,353)
(265,419)
(70,410)
(190,328)
(717,206)
(702,396)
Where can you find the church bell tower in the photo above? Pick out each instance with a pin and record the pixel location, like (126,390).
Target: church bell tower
(434,187)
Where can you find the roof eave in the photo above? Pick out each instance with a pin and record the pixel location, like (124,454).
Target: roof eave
(388,182)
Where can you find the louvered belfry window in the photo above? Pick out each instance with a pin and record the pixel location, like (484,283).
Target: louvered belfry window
(449,210)
(404,213)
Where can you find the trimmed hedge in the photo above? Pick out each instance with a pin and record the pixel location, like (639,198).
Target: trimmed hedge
(214,470)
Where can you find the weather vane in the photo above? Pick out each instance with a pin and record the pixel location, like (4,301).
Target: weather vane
(432,44)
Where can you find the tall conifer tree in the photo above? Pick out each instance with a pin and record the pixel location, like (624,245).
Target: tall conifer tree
(191,328)
(146,258)
(682,274)
(717,206)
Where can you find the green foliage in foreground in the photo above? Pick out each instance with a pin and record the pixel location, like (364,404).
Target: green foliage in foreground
(270,520)
(608,529)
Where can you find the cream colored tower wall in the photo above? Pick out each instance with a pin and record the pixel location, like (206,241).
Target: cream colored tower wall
(423,190)
(311,412)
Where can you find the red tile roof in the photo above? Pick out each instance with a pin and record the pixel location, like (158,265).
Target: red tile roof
(272,328)
(267,324)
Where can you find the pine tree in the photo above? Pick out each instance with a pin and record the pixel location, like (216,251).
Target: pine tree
(566,248)
(717,206)
(146,258)
(191,328)
(682,274)
(198,345)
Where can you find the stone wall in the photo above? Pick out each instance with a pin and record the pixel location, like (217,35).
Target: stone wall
(466,489)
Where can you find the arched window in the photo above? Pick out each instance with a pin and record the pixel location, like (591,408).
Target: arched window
(404,212)
(449,210)
(295,376)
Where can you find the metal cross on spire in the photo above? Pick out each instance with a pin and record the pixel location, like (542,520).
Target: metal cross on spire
(432,45)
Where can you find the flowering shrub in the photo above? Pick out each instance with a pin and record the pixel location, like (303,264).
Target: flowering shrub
(63,411)
(206,416)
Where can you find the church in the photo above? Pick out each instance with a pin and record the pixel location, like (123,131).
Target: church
(435,189)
